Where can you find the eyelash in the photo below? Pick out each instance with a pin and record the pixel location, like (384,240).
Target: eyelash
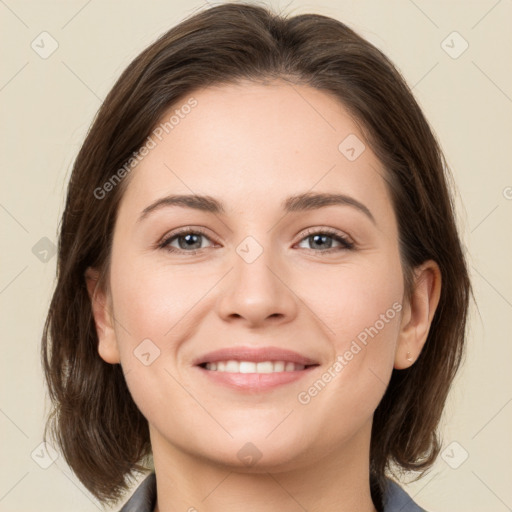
(331,233)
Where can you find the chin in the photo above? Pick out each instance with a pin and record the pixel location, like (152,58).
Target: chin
(251,451)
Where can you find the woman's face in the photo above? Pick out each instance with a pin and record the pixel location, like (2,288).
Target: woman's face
(259,272)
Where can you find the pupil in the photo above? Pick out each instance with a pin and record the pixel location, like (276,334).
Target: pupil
(189,238)
(322,237)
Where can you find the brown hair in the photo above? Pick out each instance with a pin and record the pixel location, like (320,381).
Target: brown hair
(94,420)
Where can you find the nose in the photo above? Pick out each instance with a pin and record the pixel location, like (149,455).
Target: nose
(258,292)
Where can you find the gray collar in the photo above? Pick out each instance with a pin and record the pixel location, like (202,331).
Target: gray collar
(144,498)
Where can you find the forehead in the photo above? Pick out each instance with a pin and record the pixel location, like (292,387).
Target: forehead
(251,143)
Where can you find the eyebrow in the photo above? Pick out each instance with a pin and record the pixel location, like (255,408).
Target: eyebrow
(295,203)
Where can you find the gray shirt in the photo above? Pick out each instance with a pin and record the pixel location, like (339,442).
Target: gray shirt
(144,498)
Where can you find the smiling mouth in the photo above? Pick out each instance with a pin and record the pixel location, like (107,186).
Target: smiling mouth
(232,366)
(254,369)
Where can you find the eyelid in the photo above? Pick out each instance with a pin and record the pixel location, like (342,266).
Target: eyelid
(346,241)
(325,230)
(184,230)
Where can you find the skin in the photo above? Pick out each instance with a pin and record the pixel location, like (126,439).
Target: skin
(251,146)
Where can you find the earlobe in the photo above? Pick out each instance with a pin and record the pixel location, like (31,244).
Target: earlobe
(418,314)
(101,310)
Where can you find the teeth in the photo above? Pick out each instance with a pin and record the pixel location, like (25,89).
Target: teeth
(246,367)
(252,367)
(279,366)
(232,367)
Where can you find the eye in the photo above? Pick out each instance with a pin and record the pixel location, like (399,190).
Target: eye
(188,240)
(323,239)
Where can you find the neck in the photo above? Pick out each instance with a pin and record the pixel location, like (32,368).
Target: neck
(337,482)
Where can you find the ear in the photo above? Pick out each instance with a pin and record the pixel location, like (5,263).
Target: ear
(418,314)
(103,318)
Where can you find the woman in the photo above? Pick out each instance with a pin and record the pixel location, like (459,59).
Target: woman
(262,294)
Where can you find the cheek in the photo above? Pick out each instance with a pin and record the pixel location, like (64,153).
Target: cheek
(357,299)
(156,310)
(155,303)
(371,312)
(362,310)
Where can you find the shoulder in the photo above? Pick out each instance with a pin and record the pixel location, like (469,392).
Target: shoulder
(144,497)
(397,500)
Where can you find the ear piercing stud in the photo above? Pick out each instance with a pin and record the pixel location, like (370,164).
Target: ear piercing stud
(408,356)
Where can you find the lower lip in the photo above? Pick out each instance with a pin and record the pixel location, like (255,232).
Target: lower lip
(255,381)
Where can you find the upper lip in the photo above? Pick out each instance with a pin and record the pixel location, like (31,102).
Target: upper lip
(254,354)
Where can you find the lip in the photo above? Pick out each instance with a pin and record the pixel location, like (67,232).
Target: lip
(254,354)
(254,382)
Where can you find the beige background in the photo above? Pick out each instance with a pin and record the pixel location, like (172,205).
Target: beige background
(48,104)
